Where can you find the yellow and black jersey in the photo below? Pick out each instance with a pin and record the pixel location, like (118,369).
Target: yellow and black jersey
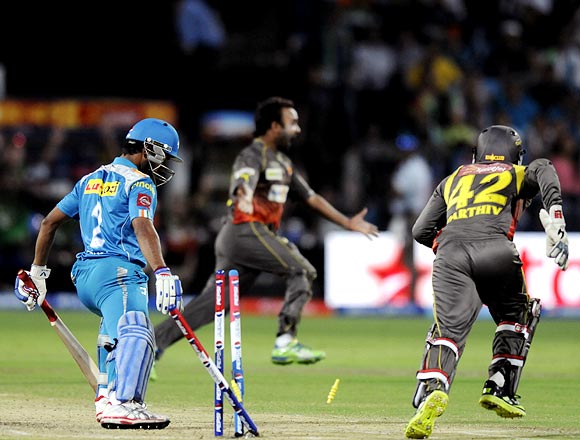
(271,175)
(484,200)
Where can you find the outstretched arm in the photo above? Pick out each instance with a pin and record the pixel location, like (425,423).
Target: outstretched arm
(354,223)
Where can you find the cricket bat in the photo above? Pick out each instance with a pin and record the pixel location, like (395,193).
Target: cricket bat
(82,358)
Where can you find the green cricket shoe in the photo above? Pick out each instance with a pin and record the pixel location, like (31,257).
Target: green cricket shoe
(494,399)
(422,423)
(296,352)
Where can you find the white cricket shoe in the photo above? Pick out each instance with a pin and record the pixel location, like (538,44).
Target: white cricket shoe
(131,415)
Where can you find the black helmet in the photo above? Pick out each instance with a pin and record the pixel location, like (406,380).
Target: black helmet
(499,143)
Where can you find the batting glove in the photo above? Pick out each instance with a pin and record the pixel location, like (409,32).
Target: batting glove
(556,236)
(26,291)
(168,289)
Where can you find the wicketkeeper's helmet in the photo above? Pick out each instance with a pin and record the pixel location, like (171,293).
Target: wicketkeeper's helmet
(499,143)
(161,143)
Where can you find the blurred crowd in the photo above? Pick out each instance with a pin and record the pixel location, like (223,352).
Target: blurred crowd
(391,96)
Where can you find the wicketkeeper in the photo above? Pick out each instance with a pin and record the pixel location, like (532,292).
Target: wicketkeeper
(469,222)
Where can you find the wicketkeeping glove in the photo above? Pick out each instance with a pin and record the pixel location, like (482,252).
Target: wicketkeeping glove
(27,291)
(556,236)
(168,289)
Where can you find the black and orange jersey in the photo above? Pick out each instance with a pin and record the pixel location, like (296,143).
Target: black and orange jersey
(271,175)
(484,200)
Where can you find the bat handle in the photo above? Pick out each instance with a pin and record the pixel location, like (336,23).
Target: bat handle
(49,311)
(46,307)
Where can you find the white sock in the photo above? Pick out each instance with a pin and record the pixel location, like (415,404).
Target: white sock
(103,391)
(283,340)
(498,379)
(113,398)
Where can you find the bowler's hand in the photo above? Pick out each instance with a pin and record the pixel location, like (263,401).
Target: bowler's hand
(359,224)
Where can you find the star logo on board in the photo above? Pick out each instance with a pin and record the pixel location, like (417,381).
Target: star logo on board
(394,280)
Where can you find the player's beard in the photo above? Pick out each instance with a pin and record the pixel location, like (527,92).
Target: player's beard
(284,141)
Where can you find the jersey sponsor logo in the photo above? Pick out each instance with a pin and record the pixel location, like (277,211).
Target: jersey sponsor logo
(274,173)
(144,185)
(103,189)
(278,193)
(494,157)
(465,213)
(244,173)
(484,168)
(95,253)
(144,200)
(110,189)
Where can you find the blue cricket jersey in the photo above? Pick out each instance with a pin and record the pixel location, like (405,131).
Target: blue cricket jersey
(105,202)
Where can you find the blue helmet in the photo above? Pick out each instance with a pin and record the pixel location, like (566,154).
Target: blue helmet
(161,143)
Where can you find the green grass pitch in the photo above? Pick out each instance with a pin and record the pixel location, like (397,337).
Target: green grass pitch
(43,394)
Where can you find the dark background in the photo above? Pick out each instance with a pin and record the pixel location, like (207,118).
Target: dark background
(129,49)
(121,49)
